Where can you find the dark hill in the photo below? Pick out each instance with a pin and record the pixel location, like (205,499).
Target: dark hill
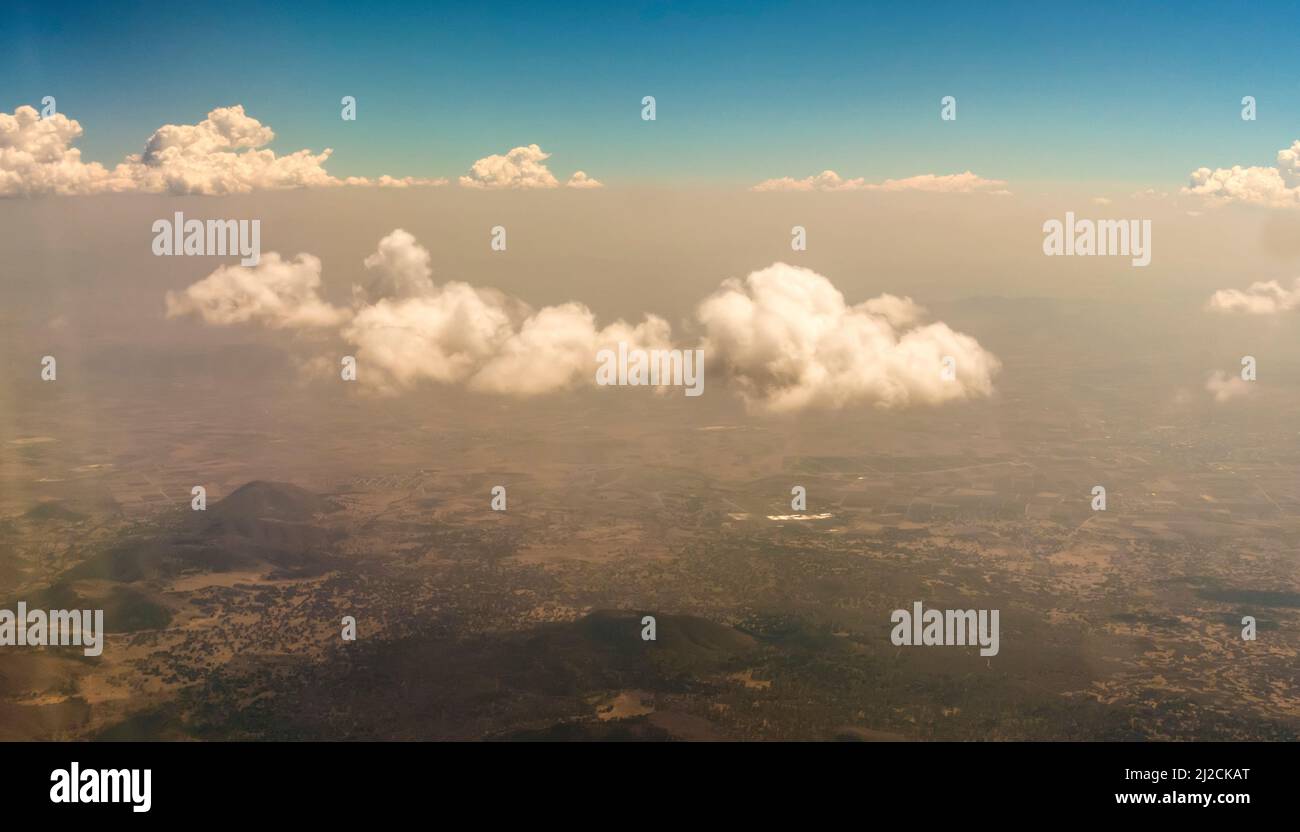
(261,522)
(263,500)
(274,522)
(143,559)
(681,639)
(536,682)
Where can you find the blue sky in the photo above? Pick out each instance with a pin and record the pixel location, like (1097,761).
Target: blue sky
(1095,92)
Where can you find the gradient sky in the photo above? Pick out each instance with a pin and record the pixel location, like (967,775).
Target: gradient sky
(1095,93)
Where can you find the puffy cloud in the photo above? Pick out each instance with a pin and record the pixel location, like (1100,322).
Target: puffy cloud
(580,179)
(829,180)
(37,157)
(401,268)
(225,129)
(1261,298)
(223,154)
(444,337)
(952,183)
(386,181)
(555,348)
(460,334)
(1225,387)
(409,330)
(279,293)
(784,335)
(789,341)
(522,167)
(1274,187)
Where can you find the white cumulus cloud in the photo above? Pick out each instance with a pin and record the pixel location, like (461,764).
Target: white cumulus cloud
(784,336)
(1260,298)
(1274,187)
(37,157)
(223,154)
(788,339)
(401,269)
(461,334)
(580,179)
(829,180)
(408,330)
(279,293)
(522,167)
